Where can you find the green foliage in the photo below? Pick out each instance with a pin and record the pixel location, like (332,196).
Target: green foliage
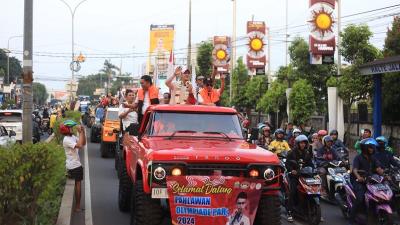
(204,58)
(390,82)
(40,94)
(302,101)
(274,99)
(88,84)
(15,66)
(316,75)
(356,48)
(31,183)
(239,77)
(7,103)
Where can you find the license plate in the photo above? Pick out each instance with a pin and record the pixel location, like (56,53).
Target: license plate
(313,181)
(159,193)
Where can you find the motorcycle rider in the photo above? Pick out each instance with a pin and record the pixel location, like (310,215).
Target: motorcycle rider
(384,156)
(296,133)
(337,143)
(279,144)
(265,138)
(300,152)
(35,130)
(325,154)
(366,133)
(366,161)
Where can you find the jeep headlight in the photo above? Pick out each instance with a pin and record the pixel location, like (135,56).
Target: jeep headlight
(159,173)
(269,174)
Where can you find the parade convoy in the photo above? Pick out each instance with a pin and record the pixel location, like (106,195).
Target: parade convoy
(192,140)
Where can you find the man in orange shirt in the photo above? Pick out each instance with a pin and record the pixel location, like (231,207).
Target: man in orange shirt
(209,95)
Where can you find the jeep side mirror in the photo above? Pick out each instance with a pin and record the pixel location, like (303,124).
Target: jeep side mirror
(12,133)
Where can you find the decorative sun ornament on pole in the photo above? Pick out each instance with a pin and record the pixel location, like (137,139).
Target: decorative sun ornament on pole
(322,23)
(256,58)
(322,36)
(221,53)
(256,44)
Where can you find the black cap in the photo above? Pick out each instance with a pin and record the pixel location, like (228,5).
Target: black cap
(208,81)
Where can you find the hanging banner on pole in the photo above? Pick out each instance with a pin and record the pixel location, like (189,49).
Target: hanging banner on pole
(221,54)
(161,46)
(217,200)
(256,58)
(322,36)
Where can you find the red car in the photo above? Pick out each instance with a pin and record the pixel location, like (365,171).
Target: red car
(191,140)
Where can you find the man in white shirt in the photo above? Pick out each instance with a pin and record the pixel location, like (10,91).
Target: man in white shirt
(72,145)
(127,113)
(182,90)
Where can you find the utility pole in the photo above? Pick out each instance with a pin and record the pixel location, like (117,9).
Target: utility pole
(233,46)
(27,72)
(8,57)
(339,39)
(189,56)
(287,35)
(269,56)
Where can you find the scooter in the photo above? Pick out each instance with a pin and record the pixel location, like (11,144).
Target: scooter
(377,200)
(307,205)
(335,180)
(394,184)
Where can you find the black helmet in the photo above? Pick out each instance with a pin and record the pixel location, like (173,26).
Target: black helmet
(334,132)
(279,131)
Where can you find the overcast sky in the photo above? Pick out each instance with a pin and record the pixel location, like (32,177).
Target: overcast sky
(122,26)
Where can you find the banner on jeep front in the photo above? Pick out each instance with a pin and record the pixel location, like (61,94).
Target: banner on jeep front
(205,200)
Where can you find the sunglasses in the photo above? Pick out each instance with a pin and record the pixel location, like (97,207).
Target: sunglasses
(241,203)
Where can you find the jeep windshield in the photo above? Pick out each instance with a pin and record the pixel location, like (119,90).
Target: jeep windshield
(166,124)
(112,115)
(10,117)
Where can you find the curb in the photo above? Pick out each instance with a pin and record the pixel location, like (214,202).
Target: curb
(65,213)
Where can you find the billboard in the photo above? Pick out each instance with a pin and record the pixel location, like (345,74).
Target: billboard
(217,200)
(221,53)
(161,45)
(322,35)
(256,58)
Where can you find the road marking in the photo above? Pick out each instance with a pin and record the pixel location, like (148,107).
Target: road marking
(88,201)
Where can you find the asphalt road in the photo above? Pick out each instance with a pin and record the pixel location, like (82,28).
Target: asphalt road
(104,195)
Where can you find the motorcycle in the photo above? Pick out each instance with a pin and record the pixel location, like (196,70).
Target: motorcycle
(377,200)
(307,205)
(394,184)
(334,180)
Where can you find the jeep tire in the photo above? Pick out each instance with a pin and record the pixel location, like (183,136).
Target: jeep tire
(124,190)
(144,209)
(269,211)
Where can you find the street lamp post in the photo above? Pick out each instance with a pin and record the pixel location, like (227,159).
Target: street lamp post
(8,56)
(233,43)
(72,11)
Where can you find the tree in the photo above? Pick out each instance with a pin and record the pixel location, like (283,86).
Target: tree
(316,75)
(390,90)
(40,94)
(110,70)
(15,66)
(204,58)
(274,100)
(357,50)
(87,85)
(302,101)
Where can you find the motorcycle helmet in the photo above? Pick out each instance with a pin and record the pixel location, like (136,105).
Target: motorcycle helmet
(301,138)
(322,133)
(326,139)
(368,142)
(382,139)
(279,131)
(297,130)
(334,132)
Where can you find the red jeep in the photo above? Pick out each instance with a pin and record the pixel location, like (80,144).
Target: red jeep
(191,140)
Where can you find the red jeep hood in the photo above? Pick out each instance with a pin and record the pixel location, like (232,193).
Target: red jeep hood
(212,151)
